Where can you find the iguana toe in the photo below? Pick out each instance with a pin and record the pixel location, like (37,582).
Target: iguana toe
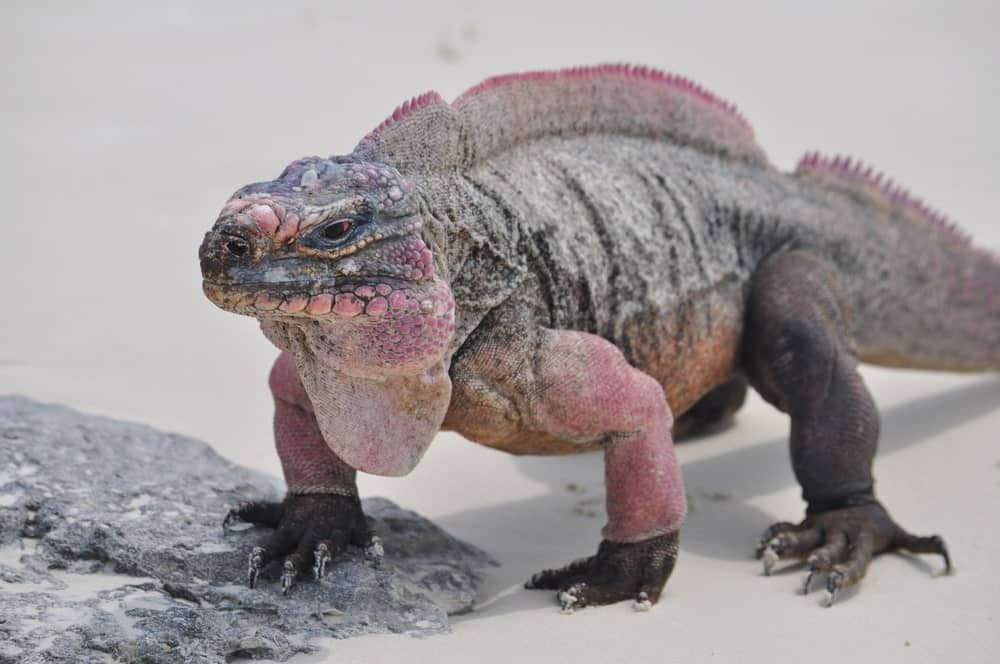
(255,564)
(288,575)
(321,558)
(789,543)
(374,551)
(258,513)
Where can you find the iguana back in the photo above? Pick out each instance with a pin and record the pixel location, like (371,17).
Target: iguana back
(635,205)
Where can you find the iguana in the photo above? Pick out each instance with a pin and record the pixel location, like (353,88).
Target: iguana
(560,261)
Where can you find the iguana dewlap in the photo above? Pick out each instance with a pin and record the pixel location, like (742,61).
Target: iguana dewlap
(561,261)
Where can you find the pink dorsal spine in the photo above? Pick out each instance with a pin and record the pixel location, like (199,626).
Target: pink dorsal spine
(406,108)
(638,72)
(857,172)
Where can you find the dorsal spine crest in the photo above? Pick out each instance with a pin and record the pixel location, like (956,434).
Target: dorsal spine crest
(859,176)
(620,69)
(502,112)
(406,108)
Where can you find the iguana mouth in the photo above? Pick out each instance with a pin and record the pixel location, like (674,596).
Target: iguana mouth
(373,298)
(312,286)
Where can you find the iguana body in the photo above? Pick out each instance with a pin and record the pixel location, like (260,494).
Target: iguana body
(559,261)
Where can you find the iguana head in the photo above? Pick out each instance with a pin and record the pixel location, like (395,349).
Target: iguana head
(335,242)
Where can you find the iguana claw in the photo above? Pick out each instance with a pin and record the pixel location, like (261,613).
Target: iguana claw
(254,565)
(806,581)
(374,551)
(769,559)
(228,522)
(322,558)
(288,574)
(568,599)
(642,603)
(834,582)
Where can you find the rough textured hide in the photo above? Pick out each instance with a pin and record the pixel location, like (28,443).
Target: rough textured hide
(85,501)
(612,207)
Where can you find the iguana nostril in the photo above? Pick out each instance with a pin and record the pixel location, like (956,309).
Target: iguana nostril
(224,248)
(237,248)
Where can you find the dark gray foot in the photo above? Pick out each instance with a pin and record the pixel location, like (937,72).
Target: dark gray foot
(620,571)
(840,544)
(310,531)
(713,412)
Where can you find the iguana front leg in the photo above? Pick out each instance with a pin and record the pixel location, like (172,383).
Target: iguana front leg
(546,388)
(321,514)
(799,358)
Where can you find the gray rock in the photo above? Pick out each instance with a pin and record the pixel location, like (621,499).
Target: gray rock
(111,548)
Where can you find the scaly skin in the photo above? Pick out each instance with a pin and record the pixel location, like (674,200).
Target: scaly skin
(563,261)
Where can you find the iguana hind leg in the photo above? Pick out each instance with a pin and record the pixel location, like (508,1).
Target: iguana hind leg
(798,357)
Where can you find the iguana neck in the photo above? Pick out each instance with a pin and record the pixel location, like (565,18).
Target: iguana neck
(377,421)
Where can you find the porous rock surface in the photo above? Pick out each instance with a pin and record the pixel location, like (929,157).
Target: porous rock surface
(111,549)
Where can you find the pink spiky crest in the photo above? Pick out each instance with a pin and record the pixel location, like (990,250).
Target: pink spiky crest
(406,108)
(611,69)
(859,173)
(637,72)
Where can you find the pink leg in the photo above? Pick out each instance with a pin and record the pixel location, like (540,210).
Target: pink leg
(645,490)
(588,392)
(307,461)
(321,514)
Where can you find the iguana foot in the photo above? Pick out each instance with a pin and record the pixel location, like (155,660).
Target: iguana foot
(619,571)
(310,530)
(841,543)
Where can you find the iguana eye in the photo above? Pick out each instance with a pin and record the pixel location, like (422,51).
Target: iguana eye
(338,229)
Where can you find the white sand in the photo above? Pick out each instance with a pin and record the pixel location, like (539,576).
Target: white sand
(124,131)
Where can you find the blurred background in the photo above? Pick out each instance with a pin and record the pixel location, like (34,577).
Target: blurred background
(126,127)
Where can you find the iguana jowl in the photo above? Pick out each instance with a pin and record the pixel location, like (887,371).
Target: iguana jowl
(557,262)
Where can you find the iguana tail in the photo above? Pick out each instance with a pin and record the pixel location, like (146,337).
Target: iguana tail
(924,296)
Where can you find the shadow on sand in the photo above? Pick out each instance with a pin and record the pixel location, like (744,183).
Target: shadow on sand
(551,529)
